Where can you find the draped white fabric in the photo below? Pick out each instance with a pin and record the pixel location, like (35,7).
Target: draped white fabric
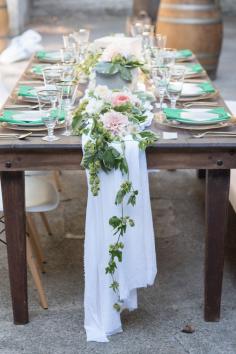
(138,267)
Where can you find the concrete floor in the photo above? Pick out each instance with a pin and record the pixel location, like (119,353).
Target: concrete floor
(175,300)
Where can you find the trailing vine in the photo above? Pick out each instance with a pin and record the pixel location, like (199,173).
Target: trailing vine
(101,155)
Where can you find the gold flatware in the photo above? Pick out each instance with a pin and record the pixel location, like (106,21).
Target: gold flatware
(212,133)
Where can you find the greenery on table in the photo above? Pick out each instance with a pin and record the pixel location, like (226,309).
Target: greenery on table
(101,155)
(119,64)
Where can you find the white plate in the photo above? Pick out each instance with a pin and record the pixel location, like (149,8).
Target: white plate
(199,116)
(191,90)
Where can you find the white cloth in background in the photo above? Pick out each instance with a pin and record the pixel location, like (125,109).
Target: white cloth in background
(21,47)
(138,267)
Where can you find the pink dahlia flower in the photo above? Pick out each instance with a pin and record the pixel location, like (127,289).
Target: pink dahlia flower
(114,121)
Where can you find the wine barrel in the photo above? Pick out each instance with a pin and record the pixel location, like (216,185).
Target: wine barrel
(4,25)
(195,25)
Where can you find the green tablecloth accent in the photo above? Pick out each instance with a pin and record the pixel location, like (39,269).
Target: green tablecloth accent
(8,116)
(175,114)
(184,53)
(27,91)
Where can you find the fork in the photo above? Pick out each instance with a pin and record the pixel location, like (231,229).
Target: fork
(201,135)
(206,104)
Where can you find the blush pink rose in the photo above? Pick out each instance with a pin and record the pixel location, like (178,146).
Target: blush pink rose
(120,98)
(114,121)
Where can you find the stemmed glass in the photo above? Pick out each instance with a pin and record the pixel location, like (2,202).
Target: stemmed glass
(68,55)
(160,77)
(52,75)
(160,41)
(68,92)
(137,29)
(175,84)
(48,102)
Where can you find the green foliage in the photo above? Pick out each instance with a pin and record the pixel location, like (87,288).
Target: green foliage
(120,65)
(89,62)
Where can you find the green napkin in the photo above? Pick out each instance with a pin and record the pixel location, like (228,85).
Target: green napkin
(175,114)
(184,53)
(8,116)
(27,91)
(42,54)
(38,69)
(194,68)
(206,87)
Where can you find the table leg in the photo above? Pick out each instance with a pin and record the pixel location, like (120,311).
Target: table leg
(13,193)
(217,201)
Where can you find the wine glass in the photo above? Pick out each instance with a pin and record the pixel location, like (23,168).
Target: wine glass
(175,84)
(168,57)
(160,41)
(52,74)
(137,29)
(68,55)
(68,92)
(160,77)
(48,100)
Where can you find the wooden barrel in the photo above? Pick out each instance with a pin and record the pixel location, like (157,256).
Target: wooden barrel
(4,25)
(195,25)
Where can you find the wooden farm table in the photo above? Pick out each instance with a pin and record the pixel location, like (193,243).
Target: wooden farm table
(216,155)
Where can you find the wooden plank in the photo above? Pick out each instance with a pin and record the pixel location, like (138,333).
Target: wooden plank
(217,200)
(13,193)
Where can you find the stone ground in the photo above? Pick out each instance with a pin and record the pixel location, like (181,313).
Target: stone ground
(175,300)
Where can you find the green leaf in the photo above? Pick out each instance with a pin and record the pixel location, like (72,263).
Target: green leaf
(107,68)
(125,73)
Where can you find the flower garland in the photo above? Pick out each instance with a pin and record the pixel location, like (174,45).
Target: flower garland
(106,117)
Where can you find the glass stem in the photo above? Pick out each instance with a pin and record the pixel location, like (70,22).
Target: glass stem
(50,131)
(173,103)
(161,102)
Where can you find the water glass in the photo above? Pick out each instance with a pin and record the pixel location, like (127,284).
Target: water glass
(48,102)
(160,77)
(52,74)
(160,41)
(175,84)
(68,94)
(137,29)
(68,55)
(168,57)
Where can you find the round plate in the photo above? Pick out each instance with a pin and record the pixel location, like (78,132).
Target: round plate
(184,126)
(33,129)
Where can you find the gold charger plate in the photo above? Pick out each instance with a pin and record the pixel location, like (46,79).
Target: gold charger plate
(229,123)
(30,129)
(199,98)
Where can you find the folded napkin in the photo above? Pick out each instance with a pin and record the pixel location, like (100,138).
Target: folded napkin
(38,69)
(8,116)
(42,54)
(27,91)
(184,53)
(138,267)
(176,114)
(194,68)
(206,87)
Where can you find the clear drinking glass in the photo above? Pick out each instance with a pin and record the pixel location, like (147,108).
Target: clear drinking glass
(69,73)
(160,77)
(168,57)
(137,29)
(68,55)
(52,74)
(48,102)
(175,84)
(160,41)
(68,93)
